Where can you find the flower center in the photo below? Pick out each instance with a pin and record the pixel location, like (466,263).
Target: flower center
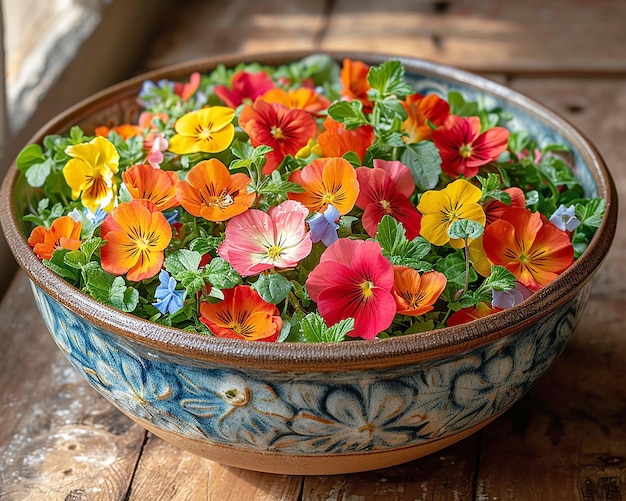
(273,252)
(386,205)
(223,200)
(366,289)
(466,150)
(276,132)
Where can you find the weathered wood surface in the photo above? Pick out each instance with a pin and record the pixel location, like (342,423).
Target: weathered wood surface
(566,440)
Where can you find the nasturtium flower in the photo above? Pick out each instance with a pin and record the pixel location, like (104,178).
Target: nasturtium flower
(354,280)
(534,251)
(466,315)
(169,299)
(64,233)
(440,208)
(159,186)
(385,190)
(301,98)
(91,171)
(423,111)
(285,130)
(416,294)
(208,130)
(464,149)
(213,193)
(564,218)
(245,88)
(324,226)
(242,314)
(494,208)
(355,84)
(327,181)
(256,240)
(136,236)
(336,140)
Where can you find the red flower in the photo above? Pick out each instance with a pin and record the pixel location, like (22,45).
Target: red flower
(355,85)
(464,149)
(285,130)
(468,314)
(246,87)
(385,189)
(336,141)
(423,111)
(494,208)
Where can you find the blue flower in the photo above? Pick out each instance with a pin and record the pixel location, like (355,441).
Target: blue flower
(323,226)
(169,300)
(564,218)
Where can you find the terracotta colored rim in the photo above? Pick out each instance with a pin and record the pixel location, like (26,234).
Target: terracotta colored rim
(321,357)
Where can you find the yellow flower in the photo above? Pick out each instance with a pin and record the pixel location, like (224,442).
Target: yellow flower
(208,130)
(458,200)
(91,171)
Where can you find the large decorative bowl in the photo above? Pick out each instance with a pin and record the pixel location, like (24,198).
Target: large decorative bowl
(299,408)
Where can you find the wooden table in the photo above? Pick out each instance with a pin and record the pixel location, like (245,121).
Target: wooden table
(565,440)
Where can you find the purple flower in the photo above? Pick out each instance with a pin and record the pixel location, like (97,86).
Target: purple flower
(564,218)
(323,226)
(169,299)
(507,299)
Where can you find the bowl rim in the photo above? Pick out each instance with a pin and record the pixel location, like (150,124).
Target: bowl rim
(319,357)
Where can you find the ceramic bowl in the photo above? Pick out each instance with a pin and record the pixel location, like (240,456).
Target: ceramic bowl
(325,408)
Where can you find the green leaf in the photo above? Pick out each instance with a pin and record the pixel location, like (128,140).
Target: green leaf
(453,267)
(272,287)
(465,229)
(500,279)
(390,234)
(388,80)
(182,260)
(221,274)
(75,259)
(424,161)
(90,246)
(314,329)
(122,297)
(98,282)
(37,174)
(591,212)
(349,113)
(29,156)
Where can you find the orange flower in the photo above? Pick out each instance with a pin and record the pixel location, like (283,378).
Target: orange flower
(242,314)
(336,141)
(156,185)
(64,233)
(415,294)
(136,235)
(302,99)
(422,110)
(355,85)
(468,314)
(327,181)
(211,192)
(124,130)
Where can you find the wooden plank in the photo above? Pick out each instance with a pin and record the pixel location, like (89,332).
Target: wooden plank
(170,474)
(489,36)
(205,29)
(58,438)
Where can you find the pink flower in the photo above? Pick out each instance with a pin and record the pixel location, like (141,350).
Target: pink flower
(246,87)
(353,279)
(257,240)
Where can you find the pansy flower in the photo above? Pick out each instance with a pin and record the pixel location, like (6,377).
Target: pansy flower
(208,130)
(466,315)
(64,233)
(245,88)
(327,181)
(536,252)
(423,111)
(301,98)
(355,84)
(354,280)
(136,236)
(159,186)
(242,314)
(91,172)
(416,294)
(125,131)
(336,140)
(285,130)
(440,208)
(464,149)
(256,240)
(385,190)
(495,208)
(212,192)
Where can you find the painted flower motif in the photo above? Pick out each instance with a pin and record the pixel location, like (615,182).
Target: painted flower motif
(147,183)
(245,88)
(242,314)
(301,98)
(464,149)
(208,130)
(494,208)
(91,171)
(256,240)
(385,190)
(564,218)
(324,226)
(285,130)
(423,111)
(416,294)
(468,314)
(534,251)
(440,208)
(136,235)
(169,299)
(64,233)
(336,140)
(355,85)
(213,193)
(327,181)
(354,280)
